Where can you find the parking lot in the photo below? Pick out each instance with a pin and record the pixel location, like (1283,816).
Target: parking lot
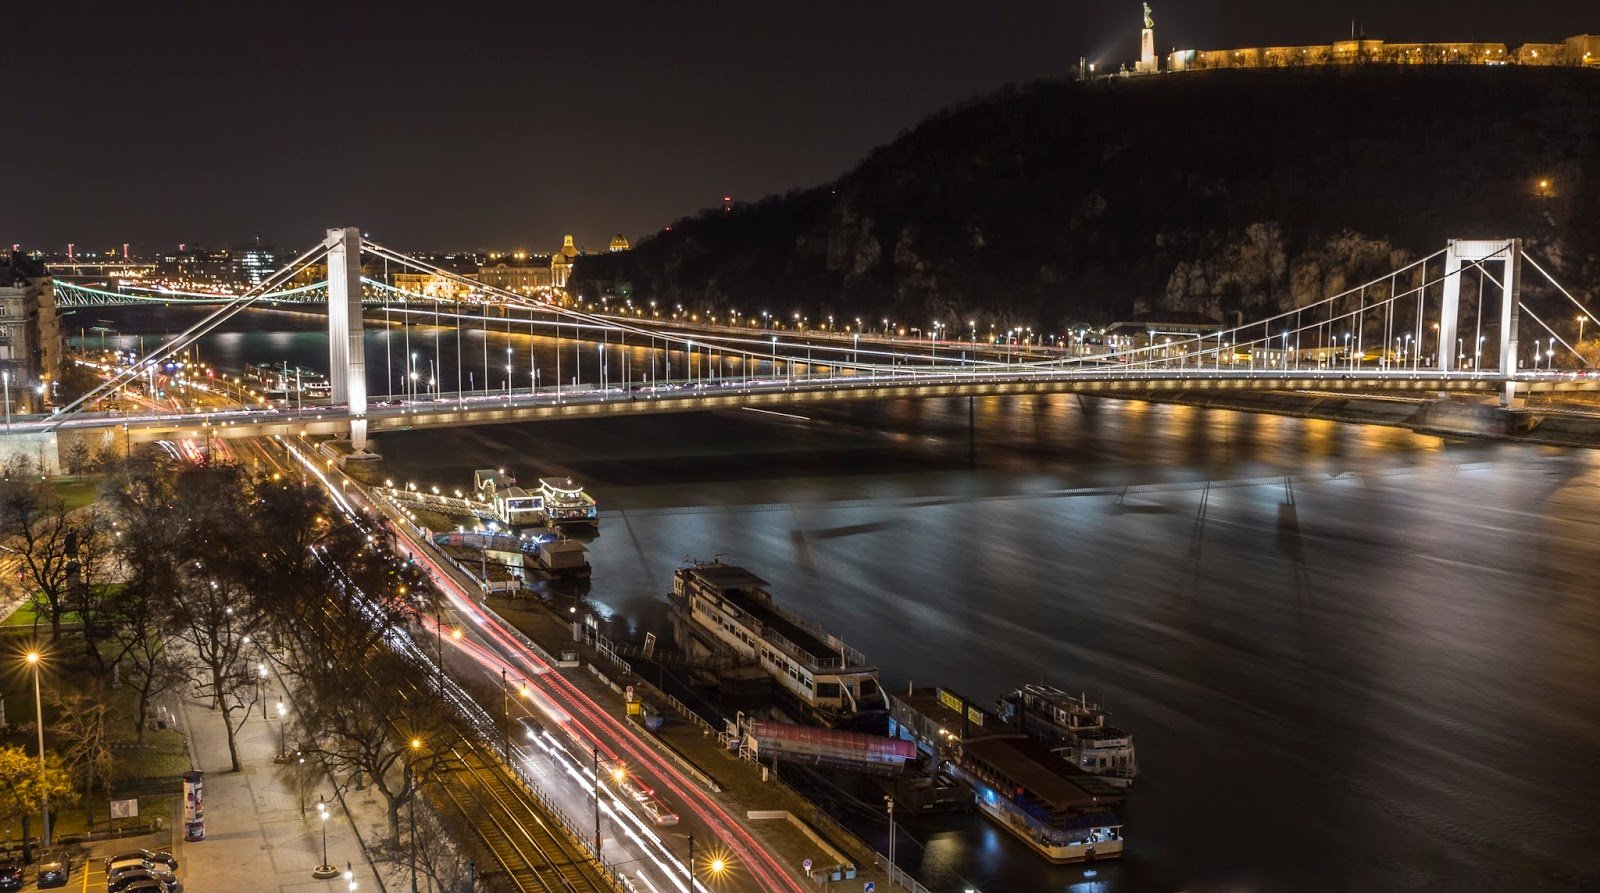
(88,872)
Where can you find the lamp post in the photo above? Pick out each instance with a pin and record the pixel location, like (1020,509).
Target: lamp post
(411,810)
(324,871)
(618,773)
(350,876)
(7,375)
(38,708)
(505,717)
(283,746)
(889,803)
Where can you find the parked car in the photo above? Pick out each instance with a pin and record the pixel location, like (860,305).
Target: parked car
(138,879)
(54,870)
(135,870)
(10,874)
(157,856)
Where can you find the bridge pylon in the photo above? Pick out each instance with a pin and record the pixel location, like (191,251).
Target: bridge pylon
(347,358)
(1480,252)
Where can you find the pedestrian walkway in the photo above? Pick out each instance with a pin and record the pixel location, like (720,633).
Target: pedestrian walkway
(262,829)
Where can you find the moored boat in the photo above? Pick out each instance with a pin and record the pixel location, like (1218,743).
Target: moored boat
(1075,728)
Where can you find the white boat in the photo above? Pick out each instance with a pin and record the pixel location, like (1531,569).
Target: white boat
(831,683)
(567,503)
(1075,728)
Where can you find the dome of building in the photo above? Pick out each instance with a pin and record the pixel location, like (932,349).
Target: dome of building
(567,248)
(618,243)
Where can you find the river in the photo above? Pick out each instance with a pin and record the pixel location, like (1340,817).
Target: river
(1352,657)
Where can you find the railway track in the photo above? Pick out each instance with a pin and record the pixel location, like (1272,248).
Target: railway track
(529,849)
(531,853)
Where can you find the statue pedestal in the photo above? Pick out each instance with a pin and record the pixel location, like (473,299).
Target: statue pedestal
(1147,52)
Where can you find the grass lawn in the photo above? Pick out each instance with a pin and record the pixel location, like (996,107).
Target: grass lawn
(149,773)
(27,615)
(77,492)
(153,803)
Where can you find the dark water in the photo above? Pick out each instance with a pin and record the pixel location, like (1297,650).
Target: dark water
(1352,657)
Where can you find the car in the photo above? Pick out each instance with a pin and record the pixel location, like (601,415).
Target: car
(54,870)
(142,879)
(633,788)
(659,812)
(116,871)
(157,856)
(10,874)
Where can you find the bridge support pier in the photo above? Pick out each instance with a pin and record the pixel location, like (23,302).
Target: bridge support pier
(347,358)
(1479,253)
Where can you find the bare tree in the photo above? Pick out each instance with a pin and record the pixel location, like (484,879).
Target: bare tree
(374,722)
(50,543)
(212,618)
(81,731)
(149,545)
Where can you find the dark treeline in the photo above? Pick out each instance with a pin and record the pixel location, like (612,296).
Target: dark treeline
(1218,192)
(238,585)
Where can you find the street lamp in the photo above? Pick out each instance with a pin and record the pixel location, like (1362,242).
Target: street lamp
(324,871)
(283,746)
(350,876)
(38,710)
(411,809)
(889,803)
(618,773)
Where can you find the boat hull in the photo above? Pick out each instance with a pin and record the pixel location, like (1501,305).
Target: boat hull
(1020,828)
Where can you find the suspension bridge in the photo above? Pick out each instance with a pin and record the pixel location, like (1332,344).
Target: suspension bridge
(1448,322)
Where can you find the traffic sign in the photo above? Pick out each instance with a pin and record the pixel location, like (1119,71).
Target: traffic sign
(869,886)
(806,865)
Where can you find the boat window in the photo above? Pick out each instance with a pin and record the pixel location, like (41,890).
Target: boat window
(827,689)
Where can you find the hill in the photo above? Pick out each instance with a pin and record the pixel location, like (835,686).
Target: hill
(1218,192)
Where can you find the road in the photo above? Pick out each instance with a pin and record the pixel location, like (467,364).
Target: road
(574,732)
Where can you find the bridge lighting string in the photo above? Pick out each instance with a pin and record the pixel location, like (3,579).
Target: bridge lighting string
(1552,280)
(188,336)
(1297,312)
(1521,305)
(1418,290)
(752,353)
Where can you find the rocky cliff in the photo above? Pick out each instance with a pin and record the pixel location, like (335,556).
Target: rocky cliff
(1220,192)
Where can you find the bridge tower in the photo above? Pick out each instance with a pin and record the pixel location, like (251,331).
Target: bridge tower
(1483,251)
(347,358)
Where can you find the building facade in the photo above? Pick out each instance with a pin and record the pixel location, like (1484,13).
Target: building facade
(1579,50)
(31,346)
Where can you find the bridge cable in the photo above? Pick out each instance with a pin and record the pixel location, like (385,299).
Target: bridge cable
(187,337)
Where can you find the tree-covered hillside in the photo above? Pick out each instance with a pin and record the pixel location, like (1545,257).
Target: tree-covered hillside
(1215,192)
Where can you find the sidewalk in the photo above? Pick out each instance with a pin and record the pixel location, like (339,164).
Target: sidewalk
(256,837)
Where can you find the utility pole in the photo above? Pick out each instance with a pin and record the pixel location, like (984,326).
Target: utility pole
(597,803)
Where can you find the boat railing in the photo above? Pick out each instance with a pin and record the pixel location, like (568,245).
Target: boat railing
(811,661)
(842,655)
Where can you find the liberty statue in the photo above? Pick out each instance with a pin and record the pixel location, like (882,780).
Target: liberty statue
(1148,21)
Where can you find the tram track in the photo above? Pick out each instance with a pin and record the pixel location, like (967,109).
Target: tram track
(507,822)
(529,851)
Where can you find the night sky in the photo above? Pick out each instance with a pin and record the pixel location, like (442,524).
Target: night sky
(455,126)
